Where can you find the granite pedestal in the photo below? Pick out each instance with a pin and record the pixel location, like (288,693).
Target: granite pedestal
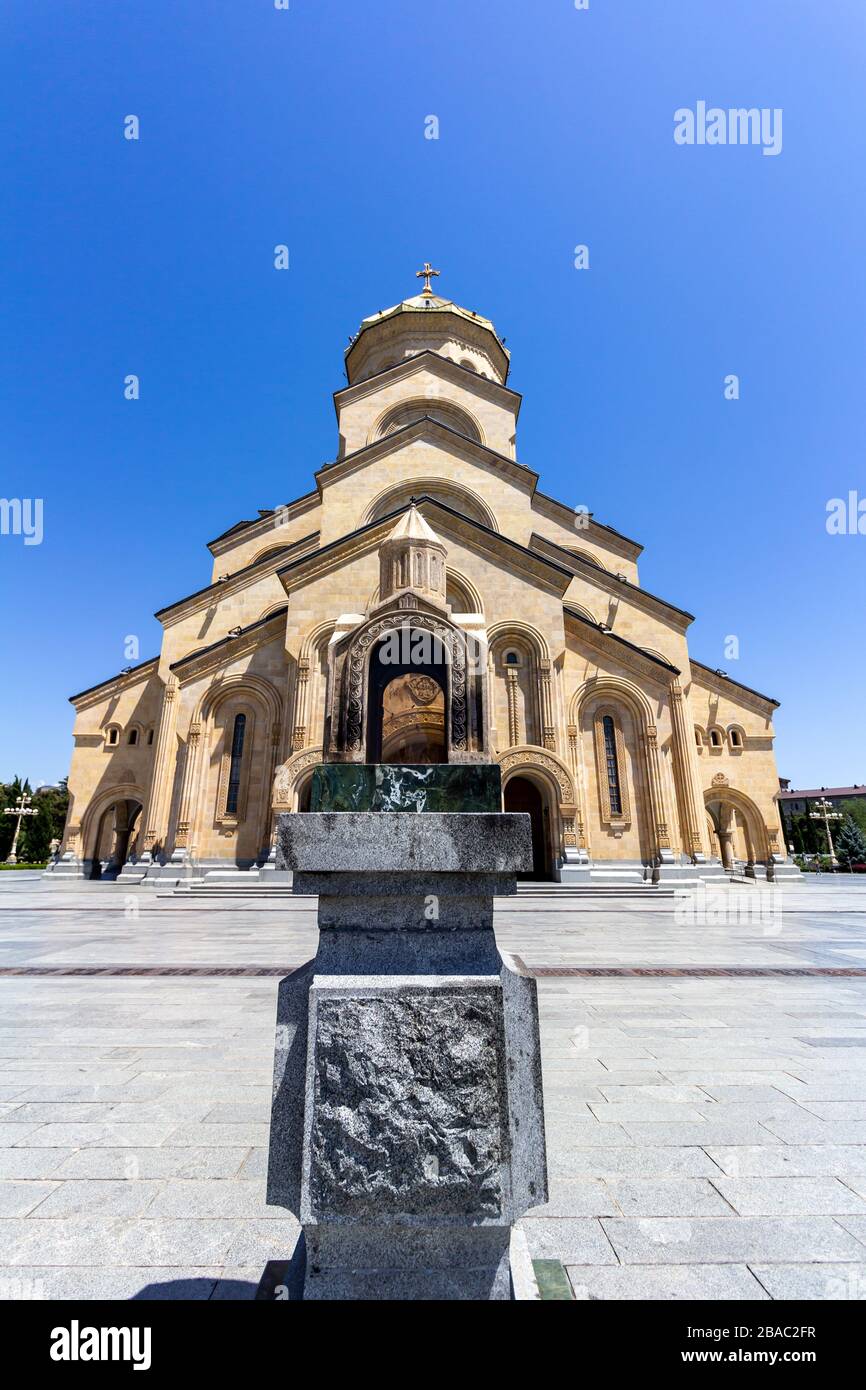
(407,1127)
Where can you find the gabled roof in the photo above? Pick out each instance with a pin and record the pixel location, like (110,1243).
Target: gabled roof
(232,638)
(130,676)
(576,616)
(227,585)
(529,561)
(426,424)
(597,574)
(722,679)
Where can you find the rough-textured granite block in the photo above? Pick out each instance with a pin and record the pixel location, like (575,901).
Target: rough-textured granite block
(407,1103)
(389,842)
(406,787)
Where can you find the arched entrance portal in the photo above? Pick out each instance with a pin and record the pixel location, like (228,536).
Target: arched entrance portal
(737,831)
(520,794)
(406,720)
(116,838)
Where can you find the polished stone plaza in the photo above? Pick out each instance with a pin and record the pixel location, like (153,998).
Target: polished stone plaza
(706,1123)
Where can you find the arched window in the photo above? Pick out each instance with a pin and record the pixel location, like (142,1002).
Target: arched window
(736,738)
(699,738)
(113,737)
(611,768)
(149,737)
(715,738)
(132,738)
(512,659)
(614,786)
(237,754)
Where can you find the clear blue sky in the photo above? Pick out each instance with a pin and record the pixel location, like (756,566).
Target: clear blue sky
(306,127)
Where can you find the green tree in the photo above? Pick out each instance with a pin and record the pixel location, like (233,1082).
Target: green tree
(855,807)
(37,831)
(47,825)
(850,843)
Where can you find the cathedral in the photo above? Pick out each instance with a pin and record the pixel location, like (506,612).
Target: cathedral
(425,602)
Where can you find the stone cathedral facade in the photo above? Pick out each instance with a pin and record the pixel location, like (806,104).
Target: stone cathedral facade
(425,602)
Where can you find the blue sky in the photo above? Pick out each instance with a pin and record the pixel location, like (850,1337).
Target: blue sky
(261,126)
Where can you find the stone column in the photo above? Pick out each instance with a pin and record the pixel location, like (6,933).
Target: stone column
(657,799)
(181,838)
(159,796)
(545,705)
(407,1127)
(684,756)
(302,691)
(513,711)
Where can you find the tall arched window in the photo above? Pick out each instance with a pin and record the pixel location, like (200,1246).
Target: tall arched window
(611,768)
(614,786)
(237,754)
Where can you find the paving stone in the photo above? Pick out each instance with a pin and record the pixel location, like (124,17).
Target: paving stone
(717,1283)
(668,1197)
(98,1198)
(19,1198)
(789,1160)
(717,1240)
(83,1283)
(827,1282)
(134,1164)
(567,1240)
(629,1162)
(31,1163)
(578,1198)
(791,1196)
(213,1197)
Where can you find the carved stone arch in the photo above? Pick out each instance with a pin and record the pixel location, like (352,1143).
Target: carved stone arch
(293,771)
(407,412)
(462,499)
(92,818)
(528,757)
(765,839)
(350,683)
(614,687)
(459,581)
(225,686)
(531,636)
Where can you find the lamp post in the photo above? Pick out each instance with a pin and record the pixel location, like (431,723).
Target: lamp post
(21,808)
(826,813)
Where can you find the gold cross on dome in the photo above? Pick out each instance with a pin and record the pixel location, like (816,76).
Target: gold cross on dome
(426,274)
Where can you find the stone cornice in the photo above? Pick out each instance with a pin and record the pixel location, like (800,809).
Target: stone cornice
(614,540)
(428,428)
(174,612)
(724,684)
(207,658)
(658,670)
(435,362)
(105,690)
(260,525)
(677,618)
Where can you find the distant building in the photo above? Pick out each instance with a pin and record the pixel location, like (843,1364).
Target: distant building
(795,802)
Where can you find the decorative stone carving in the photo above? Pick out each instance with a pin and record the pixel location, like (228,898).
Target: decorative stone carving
(532,758)
(287,775)
(720,780)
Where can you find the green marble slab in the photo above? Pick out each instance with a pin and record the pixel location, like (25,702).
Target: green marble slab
(406,787)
